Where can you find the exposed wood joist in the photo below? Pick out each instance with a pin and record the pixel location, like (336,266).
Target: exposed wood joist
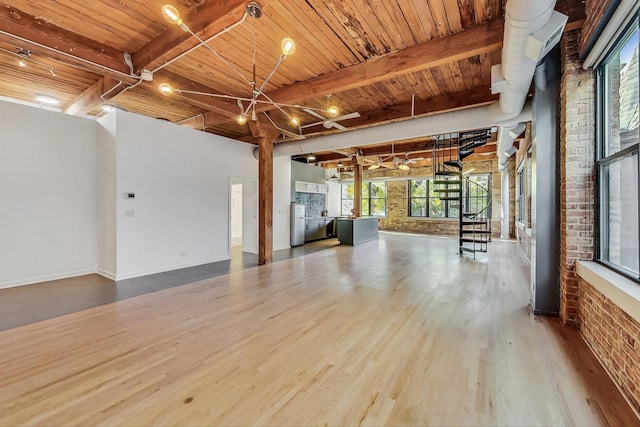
(93,96)
(48,40)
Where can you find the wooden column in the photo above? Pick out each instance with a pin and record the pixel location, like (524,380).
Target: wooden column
(357,189)
(266,134)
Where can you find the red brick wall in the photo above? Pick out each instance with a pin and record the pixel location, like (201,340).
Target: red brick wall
(595,10)
(614,337)
(577,166)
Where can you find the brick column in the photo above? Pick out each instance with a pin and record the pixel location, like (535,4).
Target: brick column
(577,171)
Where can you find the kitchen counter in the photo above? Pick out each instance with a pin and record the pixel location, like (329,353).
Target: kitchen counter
(320,227)
(357,230)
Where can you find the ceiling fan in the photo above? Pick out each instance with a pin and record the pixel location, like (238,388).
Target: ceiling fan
(329,122)
(403,164)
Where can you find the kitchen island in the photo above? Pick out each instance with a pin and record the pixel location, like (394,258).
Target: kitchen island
(357,230)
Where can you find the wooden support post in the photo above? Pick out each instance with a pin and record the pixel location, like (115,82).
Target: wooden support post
(357,189)
(266,134)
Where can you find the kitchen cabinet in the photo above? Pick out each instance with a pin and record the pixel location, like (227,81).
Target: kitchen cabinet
(311,187)
(318,228)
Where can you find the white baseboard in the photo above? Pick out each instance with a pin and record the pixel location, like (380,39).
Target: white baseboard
(46,278)
(165,269)
(106,274)
(281,248)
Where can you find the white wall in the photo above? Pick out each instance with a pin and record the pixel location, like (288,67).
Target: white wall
(180,177)
(334,199)
(48,204)
(236,211)
(281,202)
(107,202)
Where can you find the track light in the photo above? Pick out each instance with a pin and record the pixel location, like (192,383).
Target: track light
(340,164)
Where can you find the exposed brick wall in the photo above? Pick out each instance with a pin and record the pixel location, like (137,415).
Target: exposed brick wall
(595,10)
(577,157)
(398,219)
(614,337)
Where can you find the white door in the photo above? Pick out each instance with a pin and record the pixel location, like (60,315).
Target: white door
(236,214)
(250,216)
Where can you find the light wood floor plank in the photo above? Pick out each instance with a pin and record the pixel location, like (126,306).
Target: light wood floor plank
(396,332)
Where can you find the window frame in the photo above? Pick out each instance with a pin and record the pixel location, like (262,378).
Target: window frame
(427,198)
(603,161)
(365,209)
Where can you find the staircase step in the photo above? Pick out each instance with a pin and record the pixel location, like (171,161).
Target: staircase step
(474,223)
(464,154)
(454,163)
(449,173)
(449,198)
(467,240)
(450,181)
(475,231)
(447,190)
(470,213)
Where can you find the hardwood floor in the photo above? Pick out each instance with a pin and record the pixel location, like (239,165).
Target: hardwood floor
(396,332)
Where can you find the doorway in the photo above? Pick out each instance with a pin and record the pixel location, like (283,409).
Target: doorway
(243,216)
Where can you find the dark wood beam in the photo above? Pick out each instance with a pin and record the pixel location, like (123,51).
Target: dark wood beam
(440,104)
(205,20)
(575,10)
(266,134)
(92,97)
(357,190)
(27,31)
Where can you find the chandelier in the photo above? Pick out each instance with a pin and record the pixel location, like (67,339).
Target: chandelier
(248,104)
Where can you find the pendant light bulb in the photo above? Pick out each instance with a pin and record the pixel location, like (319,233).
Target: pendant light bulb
(241,119)
(171,14)
(166,89)
(333,111)
(288,46)
(294,121)
(22,63)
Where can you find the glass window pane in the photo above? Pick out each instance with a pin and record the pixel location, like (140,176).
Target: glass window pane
(365,190)
(378,207)
(364,209)
(347,191)
(621,89)
(620,212)
(347,205)
(436,208)
(418,207)
(378,190)
(418,188)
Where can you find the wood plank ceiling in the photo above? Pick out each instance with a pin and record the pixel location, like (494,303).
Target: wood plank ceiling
(374,57)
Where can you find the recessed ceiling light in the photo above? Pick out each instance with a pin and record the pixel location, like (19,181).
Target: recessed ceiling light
(108,108)
(22,63)
(49,100)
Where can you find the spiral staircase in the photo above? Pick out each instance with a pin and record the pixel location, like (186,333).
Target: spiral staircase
(472,199)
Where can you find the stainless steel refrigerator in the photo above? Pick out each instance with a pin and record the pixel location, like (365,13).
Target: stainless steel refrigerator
(297,224)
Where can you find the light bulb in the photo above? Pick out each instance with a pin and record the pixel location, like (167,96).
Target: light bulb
(294,121)
(403,167)
(171,14)
(53,72)
(288,46)
(333,111)
(311,157)
(166,89)
(340,164)
(374,166)
(241,119)
(22,63)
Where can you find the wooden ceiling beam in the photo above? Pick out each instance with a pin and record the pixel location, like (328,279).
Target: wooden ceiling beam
(48,40)
(93,96)
(434,53)
(440,104)
(205,20)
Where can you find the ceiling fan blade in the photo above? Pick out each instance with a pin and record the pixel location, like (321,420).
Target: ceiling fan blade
(338,126)
(310,125)
(313,113)
(347,117)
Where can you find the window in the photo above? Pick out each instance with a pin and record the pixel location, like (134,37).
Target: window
(618,136)
(521,193)
(477,193)
(425,201)
(374,199)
